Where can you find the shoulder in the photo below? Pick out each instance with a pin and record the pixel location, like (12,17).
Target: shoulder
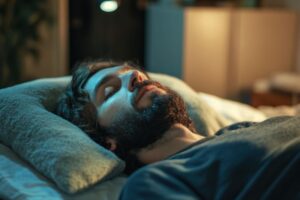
(151,182)
(143,178)
(147,174)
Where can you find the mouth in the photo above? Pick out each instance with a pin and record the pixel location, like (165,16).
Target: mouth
(145,91)
(142,91)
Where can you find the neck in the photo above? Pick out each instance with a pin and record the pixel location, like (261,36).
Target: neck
(174,140)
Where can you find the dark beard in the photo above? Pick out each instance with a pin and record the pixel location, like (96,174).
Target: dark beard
(142,128)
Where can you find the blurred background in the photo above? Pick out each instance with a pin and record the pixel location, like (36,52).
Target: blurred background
(246,50)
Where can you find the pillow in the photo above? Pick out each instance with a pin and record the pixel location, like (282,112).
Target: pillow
(55,147)
(233,111)
(60,150)
(207,121)
(34,186)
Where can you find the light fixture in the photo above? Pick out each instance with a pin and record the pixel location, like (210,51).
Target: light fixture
(108,5)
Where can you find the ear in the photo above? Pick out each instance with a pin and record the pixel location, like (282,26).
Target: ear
(111,143)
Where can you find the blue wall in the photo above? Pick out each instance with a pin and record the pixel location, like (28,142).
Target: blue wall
(164,39)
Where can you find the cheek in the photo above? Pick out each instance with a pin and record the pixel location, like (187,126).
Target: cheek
(114,109)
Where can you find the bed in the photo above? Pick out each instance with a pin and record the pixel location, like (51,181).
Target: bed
(42,155)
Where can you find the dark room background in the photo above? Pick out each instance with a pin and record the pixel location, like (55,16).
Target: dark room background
(95,34)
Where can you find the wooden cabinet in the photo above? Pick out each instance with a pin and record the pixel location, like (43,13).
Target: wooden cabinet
(206,56)
(273,98)
(263,44)
(224,50)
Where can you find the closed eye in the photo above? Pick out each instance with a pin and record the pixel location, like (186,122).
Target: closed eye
(108,92)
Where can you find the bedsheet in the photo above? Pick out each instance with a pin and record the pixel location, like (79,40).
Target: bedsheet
(19,180)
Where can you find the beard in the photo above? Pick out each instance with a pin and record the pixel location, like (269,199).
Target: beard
(142,127)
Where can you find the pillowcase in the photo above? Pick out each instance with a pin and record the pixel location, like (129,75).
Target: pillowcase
(206,120)
(55,147)
(59,149)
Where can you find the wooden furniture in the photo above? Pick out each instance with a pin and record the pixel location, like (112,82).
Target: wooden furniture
(274,98)
(223,50)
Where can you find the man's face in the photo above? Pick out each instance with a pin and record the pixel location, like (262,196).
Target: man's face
(131,109)
(113,91)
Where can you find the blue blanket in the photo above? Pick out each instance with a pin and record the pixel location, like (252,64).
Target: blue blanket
(245,161)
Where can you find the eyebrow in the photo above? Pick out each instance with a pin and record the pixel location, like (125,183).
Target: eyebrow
(110,76)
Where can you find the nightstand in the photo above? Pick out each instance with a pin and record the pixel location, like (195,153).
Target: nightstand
(274,98)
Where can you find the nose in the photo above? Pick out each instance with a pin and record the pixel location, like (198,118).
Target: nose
(136,77)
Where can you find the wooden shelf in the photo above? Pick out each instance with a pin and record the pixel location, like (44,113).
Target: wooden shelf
(274,98)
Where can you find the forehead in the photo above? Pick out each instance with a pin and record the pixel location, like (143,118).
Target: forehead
(98,76)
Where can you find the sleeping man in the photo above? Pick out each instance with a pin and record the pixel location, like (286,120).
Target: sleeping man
(147,125)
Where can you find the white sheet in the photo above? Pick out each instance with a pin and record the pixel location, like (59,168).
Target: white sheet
(233,111)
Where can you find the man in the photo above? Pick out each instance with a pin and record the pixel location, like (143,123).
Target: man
(144,122)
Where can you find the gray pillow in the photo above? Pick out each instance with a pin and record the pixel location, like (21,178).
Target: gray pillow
(207,121)
(60,150)
(55,147)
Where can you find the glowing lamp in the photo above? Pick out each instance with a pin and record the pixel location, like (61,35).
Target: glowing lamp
(108,5)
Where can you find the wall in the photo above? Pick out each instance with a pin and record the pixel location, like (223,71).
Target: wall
(164,45)
(96,34)
(295,5)
(53,60)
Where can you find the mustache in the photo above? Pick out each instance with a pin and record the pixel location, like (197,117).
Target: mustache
(144,83)
(138,86)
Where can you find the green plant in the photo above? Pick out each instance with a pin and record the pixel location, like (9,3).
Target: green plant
(19,35)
